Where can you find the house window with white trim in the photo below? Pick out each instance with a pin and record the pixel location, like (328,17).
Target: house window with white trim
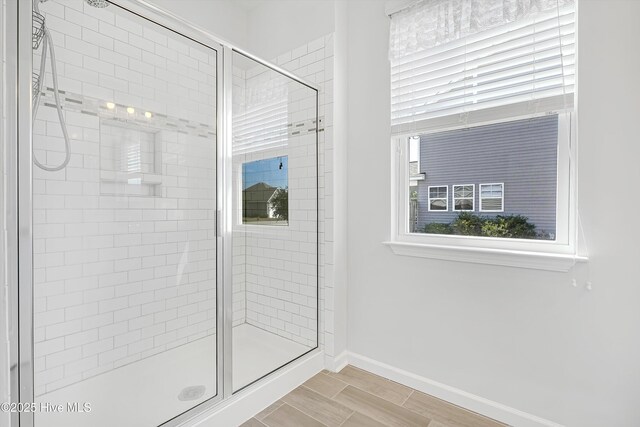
(483,97)
(463,197)
(491,197)
(439,198)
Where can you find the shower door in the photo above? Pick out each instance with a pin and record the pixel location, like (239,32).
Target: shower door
(275,219)
(121,189)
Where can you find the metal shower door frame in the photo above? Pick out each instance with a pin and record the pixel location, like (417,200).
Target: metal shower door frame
(20,202)
(20,214)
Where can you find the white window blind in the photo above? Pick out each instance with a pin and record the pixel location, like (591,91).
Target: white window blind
(462,57)
(262,113)
(261,127)
(491,197)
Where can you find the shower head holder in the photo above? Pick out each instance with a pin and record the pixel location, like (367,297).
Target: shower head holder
(37,32)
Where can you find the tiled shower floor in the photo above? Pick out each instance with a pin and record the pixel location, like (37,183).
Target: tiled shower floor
(257,352)
(145,393)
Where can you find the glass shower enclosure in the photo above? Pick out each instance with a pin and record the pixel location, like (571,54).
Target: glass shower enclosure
(275,219)
(167,192)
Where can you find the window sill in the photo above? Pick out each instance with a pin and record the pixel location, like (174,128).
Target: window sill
(502,257)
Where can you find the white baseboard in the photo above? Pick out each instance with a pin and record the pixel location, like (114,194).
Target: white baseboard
(249,402)
(246,403)
(335,364)
(456,396)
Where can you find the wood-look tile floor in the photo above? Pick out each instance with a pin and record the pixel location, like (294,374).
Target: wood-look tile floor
(357,398)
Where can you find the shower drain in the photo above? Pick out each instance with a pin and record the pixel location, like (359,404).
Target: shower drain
(192,393)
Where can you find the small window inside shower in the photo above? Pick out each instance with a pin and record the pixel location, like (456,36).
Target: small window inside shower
(265,191)
(130,159)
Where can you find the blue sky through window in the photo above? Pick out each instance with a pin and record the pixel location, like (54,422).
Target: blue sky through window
(267,171)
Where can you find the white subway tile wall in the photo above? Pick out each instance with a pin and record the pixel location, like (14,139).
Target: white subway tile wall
(318,55)
(103,262)
(124,236)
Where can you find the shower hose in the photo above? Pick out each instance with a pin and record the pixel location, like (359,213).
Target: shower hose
(47,43)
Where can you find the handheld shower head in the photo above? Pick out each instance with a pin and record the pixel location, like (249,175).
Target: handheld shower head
(97,3)
(100,4)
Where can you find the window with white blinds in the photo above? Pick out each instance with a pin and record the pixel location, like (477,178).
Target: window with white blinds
(261,101)
(262,126)
(461,58)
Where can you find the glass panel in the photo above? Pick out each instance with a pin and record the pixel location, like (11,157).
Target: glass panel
(491,190)
(438,205)
(512,164)
(464,205)
(464,191)
(124,226)
(438,192)
(492,204)
(275,269)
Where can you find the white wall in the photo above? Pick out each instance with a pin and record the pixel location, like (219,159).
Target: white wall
(337,165)
(224,18)
(266,28)
(523,338)
(277,26)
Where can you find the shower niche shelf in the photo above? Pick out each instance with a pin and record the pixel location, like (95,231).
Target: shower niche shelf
(130,159)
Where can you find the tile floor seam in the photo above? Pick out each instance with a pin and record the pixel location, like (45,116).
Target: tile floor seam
(336,379)
(407,398)
(444,402)
(261,423)
(347,419)
(388,401)
(376,375)
(368,392)
(270,412)
(329,398)
(308,415)
(338,392)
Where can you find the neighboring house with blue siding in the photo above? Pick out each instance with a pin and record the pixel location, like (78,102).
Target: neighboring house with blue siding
(497,169)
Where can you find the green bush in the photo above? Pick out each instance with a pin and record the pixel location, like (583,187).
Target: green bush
(495,229)
(512,226)
(438,228)
(468,224)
